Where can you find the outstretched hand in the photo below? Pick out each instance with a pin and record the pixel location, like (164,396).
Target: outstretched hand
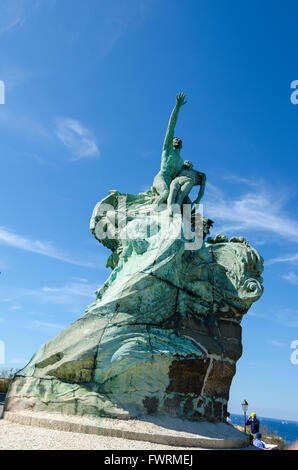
(180,99)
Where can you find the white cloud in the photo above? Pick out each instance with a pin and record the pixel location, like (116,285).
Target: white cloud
(284,259)
(276,343)
(254,313)
(114,22)
(80,279)
(28,127)
(259,364)
(34,156)
(242,180)
(36,246)
(68,294)
(39,314)
(146,154)
(40,325)
(14,13)
(261,210)
(288,317)
(81,289)
(285,316)
(15,76)
(256,211)
(77,139)
(11,24)
(291,277)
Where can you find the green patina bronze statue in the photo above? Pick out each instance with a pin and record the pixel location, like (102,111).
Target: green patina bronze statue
(171,162)
(176,177)
(163,334)
(183,184)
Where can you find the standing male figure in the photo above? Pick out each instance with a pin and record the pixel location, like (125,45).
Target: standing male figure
(171,162)
(254,423)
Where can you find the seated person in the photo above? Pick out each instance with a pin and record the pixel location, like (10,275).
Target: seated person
(182,185)
(258,443)
(228,418)
(261,444)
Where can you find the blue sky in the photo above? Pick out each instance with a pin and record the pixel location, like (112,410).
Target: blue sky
(89,89)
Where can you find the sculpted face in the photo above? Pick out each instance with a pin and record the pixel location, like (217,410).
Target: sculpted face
(188,164)
(177,143)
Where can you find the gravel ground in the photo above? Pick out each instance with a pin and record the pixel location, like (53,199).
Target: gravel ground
(17,437)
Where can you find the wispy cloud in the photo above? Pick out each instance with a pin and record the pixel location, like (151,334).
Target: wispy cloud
(39,314)
(80,289)
(242,180)
(284,259)
(34,156)
(284,316)
(277,344)
(15,76)
(288,317)
(40,326)
(77,138)
(80,279)
(115,21)
(45,248)
(11,24)
(24,124)
(68,294)
(259,364)
(14,13)
(261,210)
(291,277)
(257,314)
(146,154)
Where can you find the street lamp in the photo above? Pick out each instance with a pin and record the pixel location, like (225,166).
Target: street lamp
(244,405)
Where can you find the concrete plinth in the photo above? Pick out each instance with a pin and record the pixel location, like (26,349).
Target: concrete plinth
(161,430)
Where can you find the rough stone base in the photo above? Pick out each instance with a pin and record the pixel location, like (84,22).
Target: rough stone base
(167,431)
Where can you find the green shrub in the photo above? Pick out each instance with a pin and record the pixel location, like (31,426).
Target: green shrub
(4,384)
(270,438)
(5,378)
(267,437)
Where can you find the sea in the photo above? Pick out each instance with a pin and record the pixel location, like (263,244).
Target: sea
(286,429)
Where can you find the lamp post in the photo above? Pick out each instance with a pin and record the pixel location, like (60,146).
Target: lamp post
(244,405)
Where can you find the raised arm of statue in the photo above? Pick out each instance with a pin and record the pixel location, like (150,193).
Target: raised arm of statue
(180,101)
